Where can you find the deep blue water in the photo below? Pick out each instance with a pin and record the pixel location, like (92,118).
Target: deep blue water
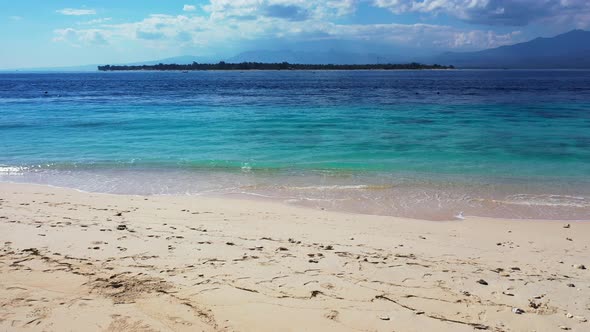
(343,135)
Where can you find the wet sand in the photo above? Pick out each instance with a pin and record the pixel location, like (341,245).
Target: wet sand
(73,261)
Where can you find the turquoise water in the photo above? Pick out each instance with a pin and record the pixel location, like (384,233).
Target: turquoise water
(420,144)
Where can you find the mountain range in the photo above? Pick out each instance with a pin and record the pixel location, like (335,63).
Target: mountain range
(570,50)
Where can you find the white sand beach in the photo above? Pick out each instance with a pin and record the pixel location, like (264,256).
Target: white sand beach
(73,261)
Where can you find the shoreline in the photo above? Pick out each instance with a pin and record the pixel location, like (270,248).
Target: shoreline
(104,262)
(357,197)
(245,198)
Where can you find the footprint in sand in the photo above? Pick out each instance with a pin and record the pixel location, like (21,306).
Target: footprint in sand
(332,315)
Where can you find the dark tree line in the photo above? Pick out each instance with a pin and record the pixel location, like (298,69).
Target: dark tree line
(269,66)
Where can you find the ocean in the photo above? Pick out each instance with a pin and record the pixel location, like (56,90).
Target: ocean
(419,144)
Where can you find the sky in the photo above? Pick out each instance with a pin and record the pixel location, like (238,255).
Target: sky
(45,33)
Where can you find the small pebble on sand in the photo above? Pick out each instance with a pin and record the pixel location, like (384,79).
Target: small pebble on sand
(517,311)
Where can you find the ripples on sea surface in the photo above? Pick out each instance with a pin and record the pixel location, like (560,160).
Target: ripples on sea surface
(423,144)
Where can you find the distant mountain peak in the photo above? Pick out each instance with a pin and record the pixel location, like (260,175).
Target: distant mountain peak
(570,50)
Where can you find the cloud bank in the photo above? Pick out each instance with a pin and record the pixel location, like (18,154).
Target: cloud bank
(189,8)
(228,22)
(497,12)
(76,12)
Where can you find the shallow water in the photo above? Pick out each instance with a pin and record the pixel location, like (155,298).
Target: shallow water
(424,144)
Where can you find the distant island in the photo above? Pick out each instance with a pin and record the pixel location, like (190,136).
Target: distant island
(268,66)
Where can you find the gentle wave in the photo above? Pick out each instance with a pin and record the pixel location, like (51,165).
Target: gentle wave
(12,170)
(548,200)
(535,202)
(420,198)
(323,188)
(344,187)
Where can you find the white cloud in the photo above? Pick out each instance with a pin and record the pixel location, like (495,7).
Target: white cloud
(497,12)
(426,36)
(479,39)
(286,9)
(226,23)
(96,21)
(161,31)
(342,7)
(78,37)
(76,12)
(189,8)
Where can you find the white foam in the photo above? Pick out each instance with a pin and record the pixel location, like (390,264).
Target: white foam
(547,200)
(11,170)
(341,187)
(246,168)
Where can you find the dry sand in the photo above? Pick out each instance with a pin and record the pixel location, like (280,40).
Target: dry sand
(74,261)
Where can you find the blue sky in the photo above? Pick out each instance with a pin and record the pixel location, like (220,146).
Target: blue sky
(43,33)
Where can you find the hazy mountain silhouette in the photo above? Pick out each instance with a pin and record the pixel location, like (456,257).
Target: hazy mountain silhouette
(569,51)
(303,57)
